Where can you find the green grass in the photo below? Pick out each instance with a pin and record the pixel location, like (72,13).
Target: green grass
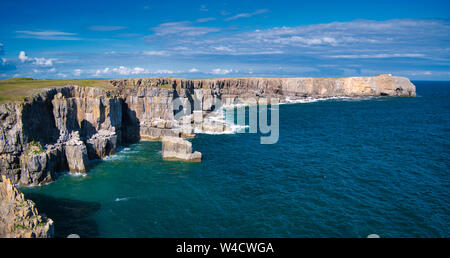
(165,86)
(42,224)
(16,89)
(35,148)
(20,227)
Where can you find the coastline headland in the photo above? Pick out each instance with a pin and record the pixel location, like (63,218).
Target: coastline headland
(62,128)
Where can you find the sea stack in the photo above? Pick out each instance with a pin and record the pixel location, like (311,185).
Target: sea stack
(174,148)
(76,154)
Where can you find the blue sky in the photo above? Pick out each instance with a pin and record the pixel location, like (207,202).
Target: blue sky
(205,39)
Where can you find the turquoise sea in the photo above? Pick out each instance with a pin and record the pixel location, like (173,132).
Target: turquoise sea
(341,168)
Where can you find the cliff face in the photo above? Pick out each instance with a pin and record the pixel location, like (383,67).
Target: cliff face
(19,217)
(62,128)
(282,87)
(57,130)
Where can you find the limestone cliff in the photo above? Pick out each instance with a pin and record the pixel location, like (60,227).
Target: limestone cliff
(57,130)
(175,148)
(60,129)
(381,85)
(19,217)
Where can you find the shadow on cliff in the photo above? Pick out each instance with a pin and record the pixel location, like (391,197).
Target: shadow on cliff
(39,122)
(69,216)
(130,125)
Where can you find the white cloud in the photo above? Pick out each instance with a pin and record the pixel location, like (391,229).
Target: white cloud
(293,40)
(103,71)
(221,71)
(206,19)
(138,70)
(246,15)
(43,61)
(77,72)
(377,56)
(156,53)
(354,47)
(353,39)
(222,48)
(180,29)
(23,57)
(193,70)
(106,28)
(121,70)
(164,71)
(47,35)
(40,61)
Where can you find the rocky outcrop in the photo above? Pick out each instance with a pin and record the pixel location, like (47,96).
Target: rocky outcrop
(35,169)
(174,148)
(76,154)
(19,217)
(101,144)
(47,121)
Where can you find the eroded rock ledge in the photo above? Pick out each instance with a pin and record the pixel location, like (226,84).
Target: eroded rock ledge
(60,129)
(175,148)
(19,217)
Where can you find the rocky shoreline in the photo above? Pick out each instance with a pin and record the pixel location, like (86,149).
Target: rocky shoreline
(19,217)
(61,129)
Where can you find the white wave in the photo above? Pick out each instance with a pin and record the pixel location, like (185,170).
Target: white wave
(218,116)
(77,174)
(121,153)
(33,186)
(312,100)
(122,199)
(231,106)
(115,157)
(122,149)
(233,129)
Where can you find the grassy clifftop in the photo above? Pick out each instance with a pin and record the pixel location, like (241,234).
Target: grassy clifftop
(16,89)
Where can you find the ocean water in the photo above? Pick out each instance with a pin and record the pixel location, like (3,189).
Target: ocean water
(341,168)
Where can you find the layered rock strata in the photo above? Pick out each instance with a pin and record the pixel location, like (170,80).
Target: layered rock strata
(19,217)
(76,154)
(174,148)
